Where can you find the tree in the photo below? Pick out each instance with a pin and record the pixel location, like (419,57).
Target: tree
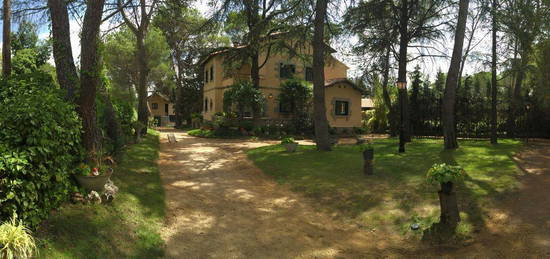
(411,21)
(26,38)
(119,56)
(6,42)
(90,74)
(494,61)
(139,26)
(449,98)
(319,110)
(189,39)
(522,35)
(244,96)
(90,64)
(62,50)
(265,21)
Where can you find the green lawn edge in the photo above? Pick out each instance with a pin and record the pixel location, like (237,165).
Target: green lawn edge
(129,227)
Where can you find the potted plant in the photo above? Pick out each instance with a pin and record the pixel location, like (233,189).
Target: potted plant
(368,158)
(446,176)
(94,178)
(289,144)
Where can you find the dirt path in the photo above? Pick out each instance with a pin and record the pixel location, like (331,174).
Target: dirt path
(519,225)
(219,205)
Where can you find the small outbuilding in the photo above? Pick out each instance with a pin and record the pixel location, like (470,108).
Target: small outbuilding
(162,109)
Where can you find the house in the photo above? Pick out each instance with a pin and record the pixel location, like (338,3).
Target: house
(161,109)
(367,104)
(342,97)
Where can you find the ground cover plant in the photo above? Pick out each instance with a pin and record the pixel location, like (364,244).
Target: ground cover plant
(398,195)
(127,227)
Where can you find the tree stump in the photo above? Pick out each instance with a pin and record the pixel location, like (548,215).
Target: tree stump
(449,206)
(368,162)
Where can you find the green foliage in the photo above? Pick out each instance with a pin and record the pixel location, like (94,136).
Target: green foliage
(297,96)
(129,227)
(39,144)
(288,140)
(443,173)
(243,96)
(24,61)
(16,240)
(366,146)
(203,133)
(119,56)
(26,38)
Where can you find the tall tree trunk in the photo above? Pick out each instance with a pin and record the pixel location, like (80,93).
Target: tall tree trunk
(62,50)
(319,109)
(90,74)
(392,118)
(402,74)
(516,103)
(449,98)
(143,72)
(6,45)
(255,69)
(494,75)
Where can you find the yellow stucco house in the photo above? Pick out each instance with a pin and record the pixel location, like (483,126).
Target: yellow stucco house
(161,109)
(342,97)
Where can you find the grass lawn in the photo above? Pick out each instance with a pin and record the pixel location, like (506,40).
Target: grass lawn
(127,227)
(397,195)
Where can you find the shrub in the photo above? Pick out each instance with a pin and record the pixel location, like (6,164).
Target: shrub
(203,133)
(444,173)
(39,146)
(288,140)
(16,240)
(243,96)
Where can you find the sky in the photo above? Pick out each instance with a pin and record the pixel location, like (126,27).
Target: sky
(428,66)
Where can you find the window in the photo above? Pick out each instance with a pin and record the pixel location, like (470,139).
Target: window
(285,107)
(206,104)
(155,106)
(341,108)
(211,104)
(287,70)
(166,108)
(212,73)
(206,76)
(309,74)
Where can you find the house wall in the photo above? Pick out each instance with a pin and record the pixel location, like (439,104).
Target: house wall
(270,82)
(343,92)
(161,102)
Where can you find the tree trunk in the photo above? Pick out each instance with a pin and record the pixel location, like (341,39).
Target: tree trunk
(392,118)
(516,102)
(494,76)
(6,45)
(143,71)
(449,98)
(319,109)
(90,72)
(255,69)
(449,205)
(402,74)
(62,50)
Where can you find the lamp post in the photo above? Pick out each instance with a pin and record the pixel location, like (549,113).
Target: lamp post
(402,86)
